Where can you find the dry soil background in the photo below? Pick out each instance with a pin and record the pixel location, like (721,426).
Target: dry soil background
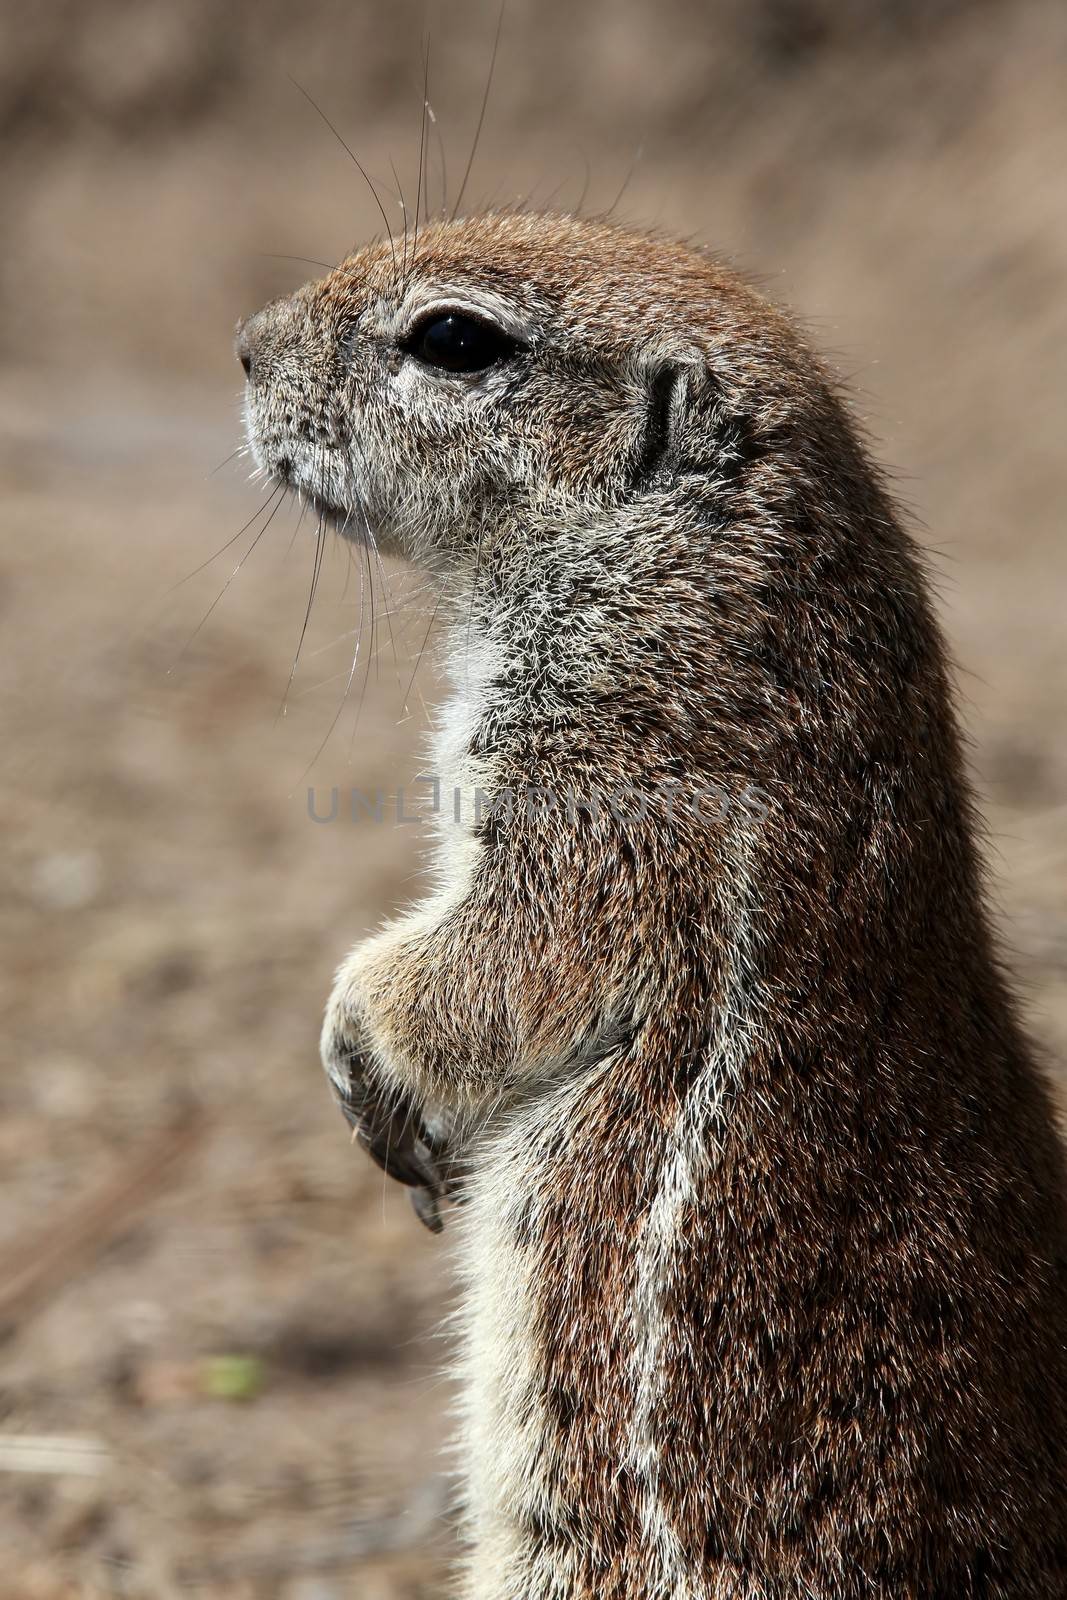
(220,1371)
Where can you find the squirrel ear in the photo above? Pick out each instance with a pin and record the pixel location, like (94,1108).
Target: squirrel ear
(658,444)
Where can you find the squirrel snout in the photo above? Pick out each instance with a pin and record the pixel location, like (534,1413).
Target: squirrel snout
(245,343)
(247,336)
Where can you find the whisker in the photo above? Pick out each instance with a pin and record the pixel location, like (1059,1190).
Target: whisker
(490,203)
(422,147)
(556,189)
(320,543)
(192,637)
(299,524)
(474,591)
(240,451)
(404,214)
(387,610)
(310,689)
(354,158)
(348,682)
(422,652)
(373,656)
(373,547)
(307,261)
(348,578)
(278,489)
(367,662)
(585,186)
(481,114)
(638,153)
(441,158)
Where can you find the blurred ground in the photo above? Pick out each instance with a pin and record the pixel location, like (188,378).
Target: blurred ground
(245,1338)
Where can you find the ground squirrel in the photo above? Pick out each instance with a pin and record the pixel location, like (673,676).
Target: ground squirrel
(763,1234)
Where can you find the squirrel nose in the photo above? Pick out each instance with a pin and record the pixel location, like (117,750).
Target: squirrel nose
(244,344)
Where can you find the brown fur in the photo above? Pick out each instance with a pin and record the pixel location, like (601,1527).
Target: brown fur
(744,1096)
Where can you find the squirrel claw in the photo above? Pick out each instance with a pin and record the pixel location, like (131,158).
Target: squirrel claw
(426,1205)
(393,1137)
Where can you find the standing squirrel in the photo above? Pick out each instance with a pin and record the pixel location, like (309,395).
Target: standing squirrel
(763,1237)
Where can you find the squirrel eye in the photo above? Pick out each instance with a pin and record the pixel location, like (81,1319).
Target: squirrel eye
(454,342)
